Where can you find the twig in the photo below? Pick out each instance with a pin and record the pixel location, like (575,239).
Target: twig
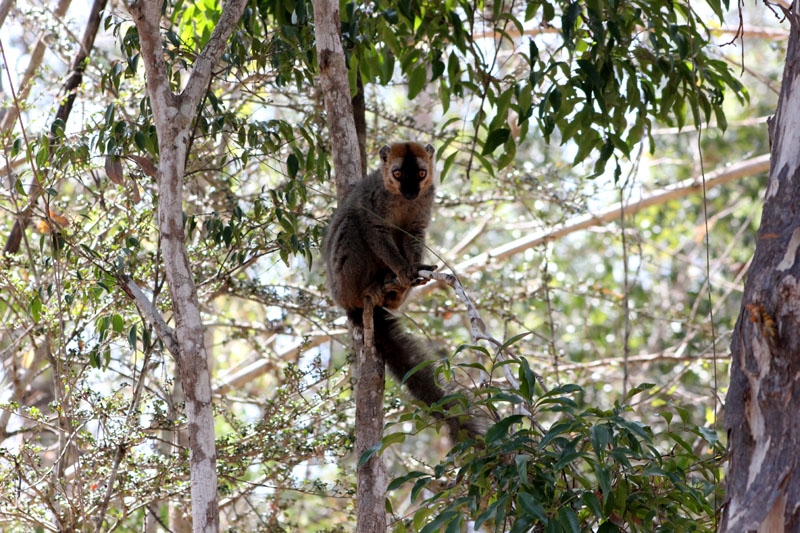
(478,326)
(121,447)
(151,314)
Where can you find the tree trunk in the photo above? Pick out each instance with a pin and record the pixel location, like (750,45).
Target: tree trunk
(336,92)
(347,163)
(173,115)
(761,413)
(372,479)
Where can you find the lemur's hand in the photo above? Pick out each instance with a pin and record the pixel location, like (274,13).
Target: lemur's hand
(416,279)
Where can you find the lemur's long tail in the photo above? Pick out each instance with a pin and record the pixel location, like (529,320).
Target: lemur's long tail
(402,352)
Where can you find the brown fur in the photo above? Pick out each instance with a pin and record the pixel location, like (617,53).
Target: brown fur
(393,157)
(374,247)
(378,234)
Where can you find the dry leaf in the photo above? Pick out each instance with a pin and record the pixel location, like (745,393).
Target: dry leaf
(137,196)
(59,219)
(114,169)
(145,164)
(42,226)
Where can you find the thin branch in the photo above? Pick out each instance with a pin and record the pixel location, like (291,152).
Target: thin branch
(640,359)
(262,366)
(151,314)
(5,7)
(478,326)
(197,86)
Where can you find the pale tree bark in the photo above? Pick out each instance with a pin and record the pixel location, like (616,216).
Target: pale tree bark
(762,416)
(348,166)
(336,91)
(173,115)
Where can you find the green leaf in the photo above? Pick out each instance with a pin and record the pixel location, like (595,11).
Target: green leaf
(638,390)
(527,380)
(416,81)
(443,519)
(495,139)
(592,503)
(523,524)
(36,308)
(292,165)
(709,434)
(455,525)
(43,154)
(499,430)
(603,475)
(140,140)
(132,337)
(608,527)
(567,457)
(586,143)
(417,368)
(568,520)
(397,482)
(387,66)
(117,324)
(368,453)
(393,438)
(390,15)
(531,506)
(521,462)
(419,486)
(601,437)
(568,20)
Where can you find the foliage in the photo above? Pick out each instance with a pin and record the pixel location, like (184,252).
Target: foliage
(602,75)
(90,411)
(590,470)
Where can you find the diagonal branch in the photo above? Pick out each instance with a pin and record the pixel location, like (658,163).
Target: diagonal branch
(150,314)
(749,167)
(5,7)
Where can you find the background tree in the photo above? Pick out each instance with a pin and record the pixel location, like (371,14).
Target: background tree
(92,418)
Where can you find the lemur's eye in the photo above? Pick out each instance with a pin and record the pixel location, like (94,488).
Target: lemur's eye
(397,173)
(422,174)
